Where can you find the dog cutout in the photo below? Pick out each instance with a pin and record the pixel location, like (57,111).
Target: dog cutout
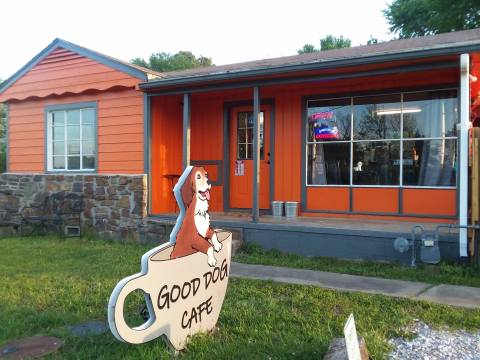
(195,233)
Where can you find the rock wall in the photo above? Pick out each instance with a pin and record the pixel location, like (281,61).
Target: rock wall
(111,205)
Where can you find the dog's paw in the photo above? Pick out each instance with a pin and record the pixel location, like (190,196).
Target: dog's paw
(217,246)
(211,258)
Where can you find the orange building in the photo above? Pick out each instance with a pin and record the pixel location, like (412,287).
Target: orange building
(370,132)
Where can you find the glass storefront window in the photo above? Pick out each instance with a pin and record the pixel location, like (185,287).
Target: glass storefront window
(422,123)
(329,120)
(429,114)
(376,117)
(328,163)
(376,163)
(429,162)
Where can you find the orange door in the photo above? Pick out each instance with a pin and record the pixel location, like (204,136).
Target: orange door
(241,157)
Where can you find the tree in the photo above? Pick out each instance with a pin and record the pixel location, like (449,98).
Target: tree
(307,48)
(331,42)
(327,43)
(410,18)
(163,61)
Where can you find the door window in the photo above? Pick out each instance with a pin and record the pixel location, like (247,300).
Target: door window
(245,135)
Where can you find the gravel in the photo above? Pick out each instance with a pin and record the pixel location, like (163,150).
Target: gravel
(429,344)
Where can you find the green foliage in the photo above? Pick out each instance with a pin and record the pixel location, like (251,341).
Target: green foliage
(48,285)
(163,61)
(443,273)
(410,18)
(329,42)
(307,48)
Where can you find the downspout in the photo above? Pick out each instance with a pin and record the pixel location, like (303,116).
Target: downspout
(463,157)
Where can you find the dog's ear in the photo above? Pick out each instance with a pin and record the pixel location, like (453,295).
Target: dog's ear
(188,189)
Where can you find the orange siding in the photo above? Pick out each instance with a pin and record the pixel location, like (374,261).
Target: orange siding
(375,200)
(120,137)
(64,72)
(328,198)
(166,156)
(206,126)
(429,202)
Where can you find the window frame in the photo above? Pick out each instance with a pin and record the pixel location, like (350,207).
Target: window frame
(49,136)
(351,141)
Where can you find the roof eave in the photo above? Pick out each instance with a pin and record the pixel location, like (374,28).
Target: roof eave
(459,48)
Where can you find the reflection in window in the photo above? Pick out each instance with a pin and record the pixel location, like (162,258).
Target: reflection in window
(328,164)
(429,162)
(429,114)
(245,135)
(376,163)
(376,117)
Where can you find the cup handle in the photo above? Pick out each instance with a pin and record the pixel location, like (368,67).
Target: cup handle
(116,321)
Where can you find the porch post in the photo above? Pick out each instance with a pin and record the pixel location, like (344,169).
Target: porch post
(463,153)
(186,131)
(256,153)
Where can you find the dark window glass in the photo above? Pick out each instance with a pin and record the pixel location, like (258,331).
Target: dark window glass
(329,120)
(73,162)
(328,164)
(429,162)
(245,135)
(376,163)
(88,162)
(376,117)
(430,114)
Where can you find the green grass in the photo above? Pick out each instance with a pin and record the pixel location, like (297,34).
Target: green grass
(47,285)
(443,273)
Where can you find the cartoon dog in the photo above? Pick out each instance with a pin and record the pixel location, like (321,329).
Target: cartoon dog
(195,232)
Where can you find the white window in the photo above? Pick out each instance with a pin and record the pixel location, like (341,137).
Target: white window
(71,139)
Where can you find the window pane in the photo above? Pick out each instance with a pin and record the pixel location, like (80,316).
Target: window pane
(328,164)
(376,117)
(73,117)
(429,162)
(88,132)
(59,148)
(58,133)
(430,114)
(242,152)
(376,163)
(241,136)
(59,162)
(88,116)
(88,162)
(58,118)
(73,162)
(73,148)
(249,151)
(88,147)
(329,119)
(242,120)
(73,132)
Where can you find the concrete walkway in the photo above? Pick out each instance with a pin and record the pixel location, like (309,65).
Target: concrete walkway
(463,296)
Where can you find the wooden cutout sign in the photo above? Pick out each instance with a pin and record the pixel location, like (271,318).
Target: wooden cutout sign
(185,280)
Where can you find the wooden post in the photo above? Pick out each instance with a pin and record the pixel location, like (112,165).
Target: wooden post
(186,131)
(256,153)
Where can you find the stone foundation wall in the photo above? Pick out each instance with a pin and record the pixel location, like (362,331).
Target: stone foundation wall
(111,205)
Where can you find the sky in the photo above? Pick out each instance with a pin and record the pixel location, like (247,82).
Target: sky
(227,31)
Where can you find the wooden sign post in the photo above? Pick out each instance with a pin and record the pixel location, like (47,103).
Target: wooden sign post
(351,339)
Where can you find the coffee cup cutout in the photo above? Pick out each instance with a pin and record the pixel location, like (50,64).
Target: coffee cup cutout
(184,280)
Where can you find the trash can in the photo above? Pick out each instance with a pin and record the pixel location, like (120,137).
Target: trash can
(291,209)
(277,209)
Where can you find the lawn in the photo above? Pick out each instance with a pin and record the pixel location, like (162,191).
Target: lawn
(48,284)
(443,273)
